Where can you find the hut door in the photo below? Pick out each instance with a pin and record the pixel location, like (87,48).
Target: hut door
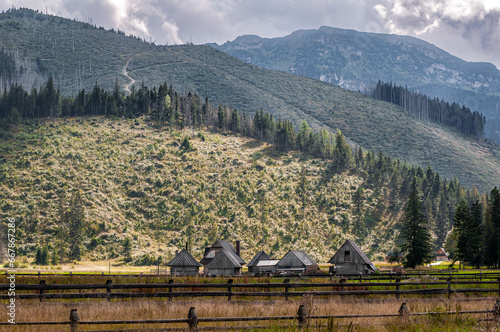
(347,256)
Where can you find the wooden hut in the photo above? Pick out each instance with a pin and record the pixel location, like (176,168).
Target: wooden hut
(262,264)
(184,264)
(218,246)
(349,259)
(223,264)
(297,261)
(441,255)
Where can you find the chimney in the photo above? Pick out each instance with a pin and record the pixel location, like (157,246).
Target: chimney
(238,248)
(187,246)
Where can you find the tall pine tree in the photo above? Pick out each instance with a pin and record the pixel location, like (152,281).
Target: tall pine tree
(492,230)
(76,218)
(415,236)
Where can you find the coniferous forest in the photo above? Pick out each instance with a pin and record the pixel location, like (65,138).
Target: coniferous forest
(439,111)
(167,110)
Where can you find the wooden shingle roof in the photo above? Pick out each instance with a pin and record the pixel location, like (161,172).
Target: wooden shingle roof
(294,257)
(261,255)
(220,245)
(223,260)
(184,258)
(358,251)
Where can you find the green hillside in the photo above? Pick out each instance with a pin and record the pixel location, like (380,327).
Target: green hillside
(78,55)
(137,182)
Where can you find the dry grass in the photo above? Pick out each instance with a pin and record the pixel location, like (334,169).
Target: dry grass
(153,309)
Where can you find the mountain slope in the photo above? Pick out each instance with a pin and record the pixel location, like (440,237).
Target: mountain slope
(137,182)
(79,55)
(357,60)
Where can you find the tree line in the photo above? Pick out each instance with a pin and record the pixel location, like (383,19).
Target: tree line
(435,110)
(473,239)
(169,110)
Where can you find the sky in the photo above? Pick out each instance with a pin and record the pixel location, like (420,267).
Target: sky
(469,29)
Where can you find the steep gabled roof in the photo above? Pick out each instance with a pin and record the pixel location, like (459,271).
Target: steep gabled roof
(223,246)
(261,255)
(223,260)
(304,258)
(360,253)
(298,255)
(184,258)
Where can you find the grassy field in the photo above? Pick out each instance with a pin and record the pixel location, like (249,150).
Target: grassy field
(162,310)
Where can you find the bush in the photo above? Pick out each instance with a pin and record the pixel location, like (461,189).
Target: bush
(186,145)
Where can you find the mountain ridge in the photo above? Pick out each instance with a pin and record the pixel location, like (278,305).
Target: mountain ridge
(357,60)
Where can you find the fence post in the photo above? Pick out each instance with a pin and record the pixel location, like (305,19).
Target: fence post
(449,288)
(73,318)
(192,320)
(229,282)
(496,312)
(398,280)
(286,289)
(342,281)
(404,313)
(171,281)
(498,287)
(108,289)
(302,316)
(42,282)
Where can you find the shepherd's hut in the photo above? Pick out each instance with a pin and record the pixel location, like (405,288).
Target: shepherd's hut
(223,264)
(184,264)
(262,264)
(349,259)
(212,252)
(297,261)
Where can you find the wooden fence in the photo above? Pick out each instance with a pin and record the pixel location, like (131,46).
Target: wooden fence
(439,274)
(301,320)
(230,290)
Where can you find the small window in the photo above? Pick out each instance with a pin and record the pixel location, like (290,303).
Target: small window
(347,256)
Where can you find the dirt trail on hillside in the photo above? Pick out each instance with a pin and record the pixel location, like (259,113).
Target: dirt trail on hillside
(125,73)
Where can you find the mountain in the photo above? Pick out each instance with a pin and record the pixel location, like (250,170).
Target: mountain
(358,60)
(79,55)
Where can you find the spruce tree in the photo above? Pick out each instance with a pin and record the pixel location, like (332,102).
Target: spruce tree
(415,236)
(76,218)
(38,256)
(476,234)
(44,259)
(127,249)
(342,154)
(492,230)
(462,222)
(302,191)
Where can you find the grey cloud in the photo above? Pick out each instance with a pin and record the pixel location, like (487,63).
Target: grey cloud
(471,31)
(466,29)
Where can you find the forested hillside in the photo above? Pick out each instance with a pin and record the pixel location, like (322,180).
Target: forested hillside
(179,169)
(432,109)
(77,55)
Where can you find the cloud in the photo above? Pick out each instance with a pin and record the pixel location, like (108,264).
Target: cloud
(467,28)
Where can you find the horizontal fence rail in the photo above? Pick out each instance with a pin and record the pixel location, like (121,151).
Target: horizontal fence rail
(286,289)
(301,319)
